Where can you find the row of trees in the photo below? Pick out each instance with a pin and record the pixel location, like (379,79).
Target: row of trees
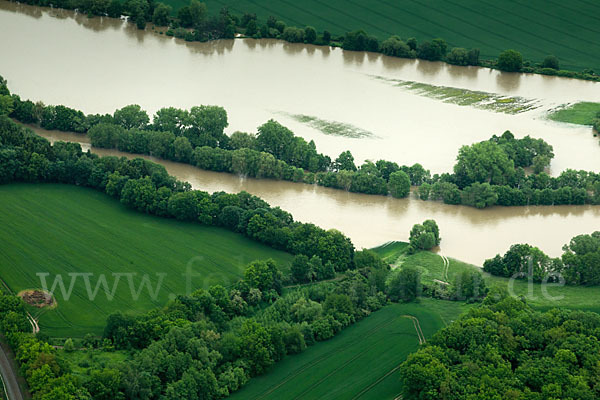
(146,186)
(193,22)
(212,342)
(579,264)
(506,350)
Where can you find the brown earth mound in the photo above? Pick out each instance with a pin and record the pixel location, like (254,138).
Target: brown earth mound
(37,298)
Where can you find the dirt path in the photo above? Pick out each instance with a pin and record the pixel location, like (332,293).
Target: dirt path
(446,265)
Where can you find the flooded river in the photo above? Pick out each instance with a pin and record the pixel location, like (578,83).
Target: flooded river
(98,65)
(467,233)
(101,64)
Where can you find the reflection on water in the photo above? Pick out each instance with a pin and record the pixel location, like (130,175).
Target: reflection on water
(468,234)
(508,81)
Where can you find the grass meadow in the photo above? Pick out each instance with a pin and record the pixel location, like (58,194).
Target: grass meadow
(360,362)
(583,113)
(536,28)
(62,229)
(539,296)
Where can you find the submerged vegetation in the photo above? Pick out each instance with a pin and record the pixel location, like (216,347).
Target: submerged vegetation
(464,97)
(332,128)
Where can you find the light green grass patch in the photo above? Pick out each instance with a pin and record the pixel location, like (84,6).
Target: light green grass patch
(331,128)
(360,362)
(464,97)
(537,295)
(65,229)
(583,113)
(81,361)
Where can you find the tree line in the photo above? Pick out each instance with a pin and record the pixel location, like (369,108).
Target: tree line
(193,22)
(204,345)
(578,265)
(207,344)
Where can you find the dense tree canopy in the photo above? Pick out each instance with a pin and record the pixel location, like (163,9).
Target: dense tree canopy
(504,349)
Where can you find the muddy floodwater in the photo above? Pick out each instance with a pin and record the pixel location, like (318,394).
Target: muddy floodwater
(467,233)
(101,64)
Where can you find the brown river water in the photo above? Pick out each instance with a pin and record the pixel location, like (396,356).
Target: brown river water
(102,64)
(468,234)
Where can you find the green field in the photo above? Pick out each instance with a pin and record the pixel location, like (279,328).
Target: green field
(536,28)
(584,113)
(359,363)
(538,296)
(61,229)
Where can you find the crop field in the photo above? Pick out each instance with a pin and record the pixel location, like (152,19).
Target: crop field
(360,362)
(63,229)
(583,113)
(544,297)
(536,28)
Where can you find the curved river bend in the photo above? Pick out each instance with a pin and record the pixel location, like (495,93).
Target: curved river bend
(468,234)
(102,64)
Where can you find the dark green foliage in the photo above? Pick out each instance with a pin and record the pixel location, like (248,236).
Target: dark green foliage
(161,15)
(147,187)
(399,184)
(424,237)
(394,46)
(551,62)
(469,286)
(345,161)
(310,34)
(404,284)
(510,61)
(524,261)
(432,51)
(505,349)
(581,260)
(293,34)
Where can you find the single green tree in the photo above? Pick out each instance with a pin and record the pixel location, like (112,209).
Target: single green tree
(510,61)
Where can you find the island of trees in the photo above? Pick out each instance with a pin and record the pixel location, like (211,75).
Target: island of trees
(503,170)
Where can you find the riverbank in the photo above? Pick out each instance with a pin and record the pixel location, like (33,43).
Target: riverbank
(556,39)
(372,220)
